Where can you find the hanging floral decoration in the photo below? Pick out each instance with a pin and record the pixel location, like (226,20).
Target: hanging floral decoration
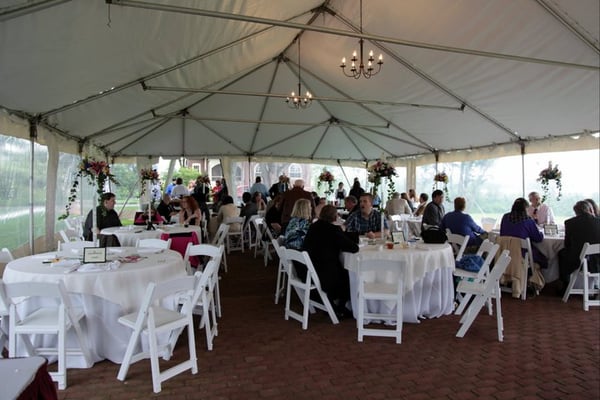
(326,177)
(149,175)
(439,178)
(550,174)
(97,174)
(382,169)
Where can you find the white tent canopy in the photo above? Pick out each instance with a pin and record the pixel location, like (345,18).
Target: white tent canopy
(209,78)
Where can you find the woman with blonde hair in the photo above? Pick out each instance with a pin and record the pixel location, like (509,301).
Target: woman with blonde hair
(298,226)
(190,211)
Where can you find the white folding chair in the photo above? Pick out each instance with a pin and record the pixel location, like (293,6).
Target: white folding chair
(483,290)
(55,319)
(215,253)
(75,225)
(304,288)
(587,276)
(458,243)
(526,262)
(3,318)
(76,245)
(153,319)
(258,224)
(267,243)
(205,306)
(373,287)
(220,239)
(250,233)
(154,243)
(488,251)
(396,223)
(5,256)
(281,270)
(235,236)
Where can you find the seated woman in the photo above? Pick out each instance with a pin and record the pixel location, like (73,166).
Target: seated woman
(517,223)
(326,258)
(257,199)
(298,226)
(190,212)
(273,215)
(228,210)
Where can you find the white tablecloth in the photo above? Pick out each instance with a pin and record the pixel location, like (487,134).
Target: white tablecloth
(129,235)
(104,295)
(428,284)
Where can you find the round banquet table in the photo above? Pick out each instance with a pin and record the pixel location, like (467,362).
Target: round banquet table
(428,283)
(104,295)
(129,235)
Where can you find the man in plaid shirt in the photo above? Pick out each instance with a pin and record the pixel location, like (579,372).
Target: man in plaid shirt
(368,220)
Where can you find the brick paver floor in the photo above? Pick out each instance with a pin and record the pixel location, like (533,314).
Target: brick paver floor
(550,351)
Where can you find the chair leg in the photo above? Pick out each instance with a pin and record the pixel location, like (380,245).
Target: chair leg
(192,345)
(586,292)
(287,301)
(154,367)
(61,375)
(499,318)
(572,280)
(360,320)
(133,341)
(463,303)
(399,319)
(306,306)
(471,314)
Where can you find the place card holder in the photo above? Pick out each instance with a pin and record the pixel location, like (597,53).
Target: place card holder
(550,229)
(94,255)
(398,237)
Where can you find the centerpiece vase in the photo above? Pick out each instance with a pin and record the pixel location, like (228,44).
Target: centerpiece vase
(95,217)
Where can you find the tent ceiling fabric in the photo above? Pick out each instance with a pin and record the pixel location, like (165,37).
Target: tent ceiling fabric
(138,81)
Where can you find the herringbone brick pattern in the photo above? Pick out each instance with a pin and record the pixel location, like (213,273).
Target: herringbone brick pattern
(551,350)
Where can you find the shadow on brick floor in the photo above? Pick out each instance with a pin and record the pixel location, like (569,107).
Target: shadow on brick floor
(551,350)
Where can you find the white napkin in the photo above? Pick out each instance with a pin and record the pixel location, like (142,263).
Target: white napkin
(68,263)
(96,267)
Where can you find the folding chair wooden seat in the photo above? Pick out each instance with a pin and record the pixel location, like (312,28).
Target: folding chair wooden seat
(304,287)
(372,288)
(235,239)
(55,319)
(215,253)
(205,306)
(482,291)
(153,319)
(281,270)
(587,277)
(220,240)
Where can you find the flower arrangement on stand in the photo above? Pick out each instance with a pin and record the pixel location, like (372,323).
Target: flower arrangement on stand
(326,177)
(379,170)
(441,177)
(148,176)
(97,173)
(550,174)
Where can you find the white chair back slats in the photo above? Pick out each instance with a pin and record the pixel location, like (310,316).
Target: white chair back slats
(591,280)
(303,289)
(153,319)
(482,291)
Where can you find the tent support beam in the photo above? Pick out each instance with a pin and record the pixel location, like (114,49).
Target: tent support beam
(127,85)
(264,106)
(219,135)
(315,98)
(353,144)
(339,32)
(296,134)
(141,137)
(312,155)
(33,134)
(544,4)
(29,8)
(434,82)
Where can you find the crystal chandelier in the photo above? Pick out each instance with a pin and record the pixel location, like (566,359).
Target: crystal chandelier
(298,101)
(368,70)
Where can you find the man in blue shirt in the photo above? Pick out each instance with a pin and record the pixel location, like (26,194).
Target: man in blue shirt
(366,221)
(461,223)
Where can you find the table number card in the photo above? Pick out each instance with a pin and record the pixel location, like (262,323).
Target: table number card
(550,229)
(94,255)
(398,237)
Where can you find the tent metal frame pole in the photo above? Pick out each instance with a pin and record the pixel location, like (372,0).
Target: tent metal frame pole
(19,11)
(264,106)
(560,18)
(159,73)
(32,137)
(314,98)
(292,136)
(339,32)
(220,136)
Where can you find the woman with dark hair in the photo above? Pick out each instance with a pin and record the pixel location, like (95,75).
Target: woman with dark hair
(517,223)
(273,215)
(190,212)
(324,242)
(356,190)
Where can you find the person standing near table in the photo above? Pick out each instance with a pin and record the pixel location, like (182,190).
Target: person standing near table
(260,188)
(106,216)
(340,193)
(356,189)
(582,228)
(434,211)
(541,213)
(289,199)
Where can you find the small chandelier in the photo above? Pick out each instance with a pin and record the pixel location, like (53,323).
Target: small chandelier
(298,101)
(362,70)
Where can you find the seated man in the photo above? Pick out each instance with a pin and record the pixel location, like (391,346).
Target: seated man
(367,221)
(538,211)
(434,211)
(165,208)
(461,223)
(106,216)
